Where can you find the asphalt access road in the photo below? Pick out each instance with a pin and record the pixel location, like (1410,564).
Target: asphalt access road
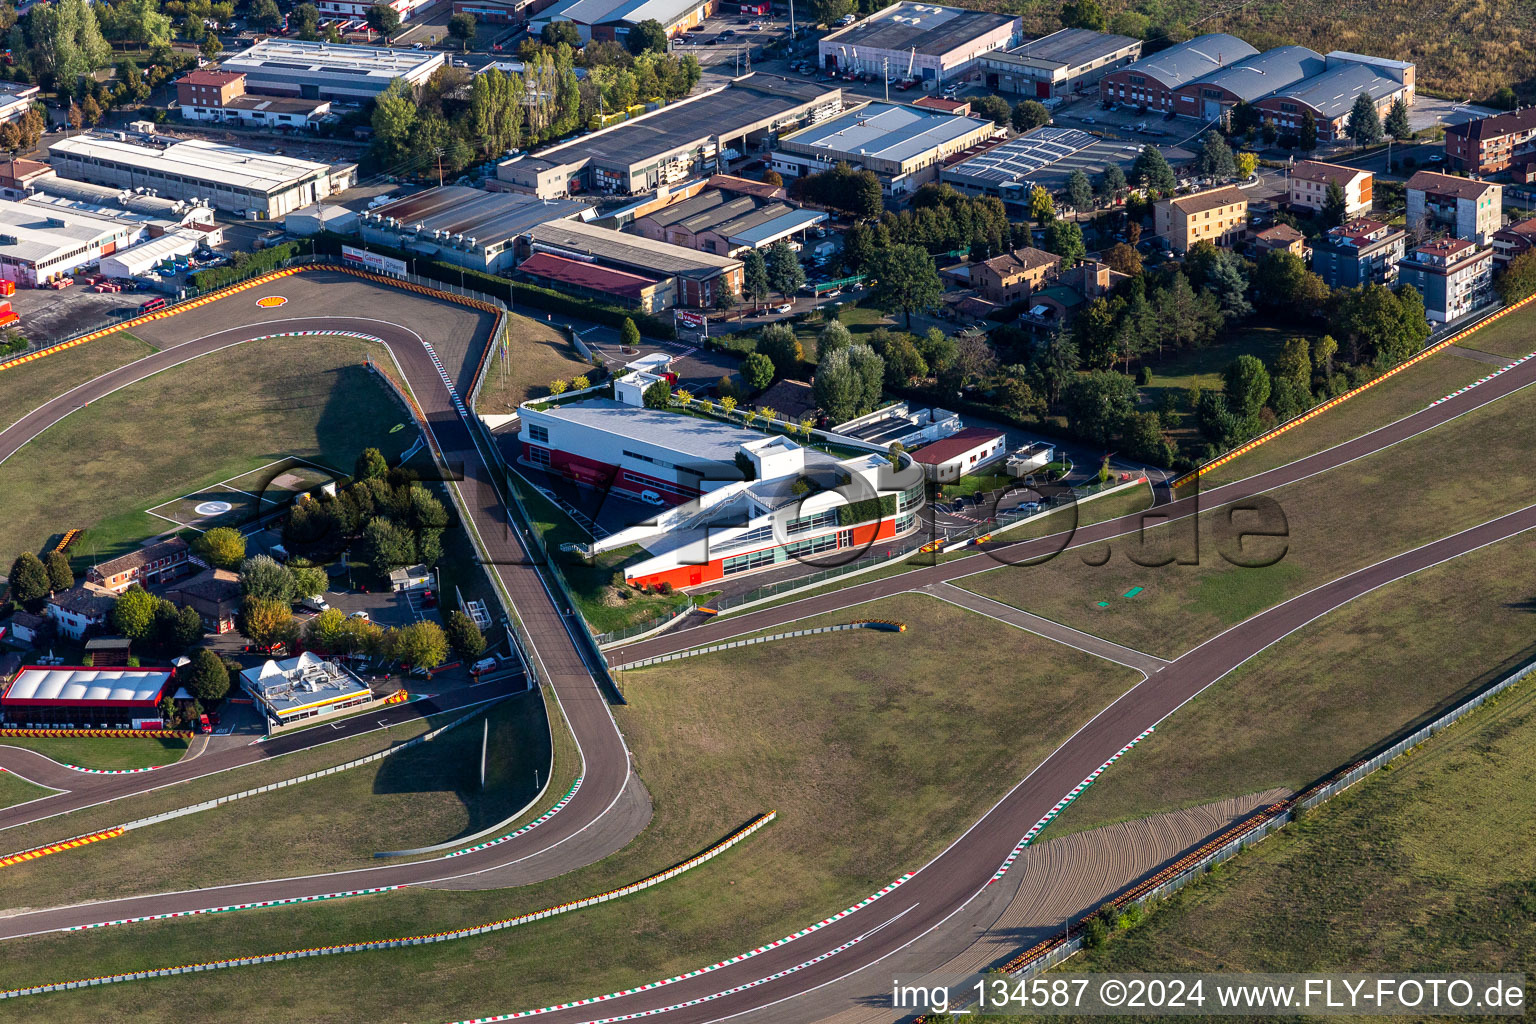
(951,880)
(583,831)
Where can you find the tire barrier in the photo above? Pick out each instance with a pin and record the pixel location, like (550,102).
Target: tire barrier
(711,968)
(1483,380)
(60,847)
(118,734)
(1271,434)
(741,834)
(880,624)
(234,907)
(70,536)
(1062,805)
(1257,826)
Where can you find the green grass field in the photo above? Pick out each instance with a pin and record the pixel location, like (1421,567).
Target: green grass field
(539,355)
(1409,494)
(1513,336)
(1331,691)
(18,791)
(104,752)
(1425,865)
(422,796)
(24,388)
(188,427)
(826,730)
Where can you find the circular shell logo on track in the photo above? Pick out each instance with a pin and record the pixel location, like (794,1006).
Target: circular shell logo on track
(269,301)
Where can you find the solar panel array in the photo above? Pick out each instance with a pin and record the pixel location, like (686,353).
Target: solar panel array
(1020,158)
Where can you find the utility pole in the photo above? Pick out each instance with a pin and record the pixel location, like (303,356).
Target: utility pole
(438,152)
(791,19)
(885,72)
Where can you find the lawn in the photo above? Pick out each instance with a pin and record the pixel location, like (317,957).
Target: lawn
(104,752)
(1421,866)
(539,355)
(1398,396)
(823,729)
(1332,691)
(188,427)
(18,791)
(425,795)
(24,388)
(1404,493)
(859,320)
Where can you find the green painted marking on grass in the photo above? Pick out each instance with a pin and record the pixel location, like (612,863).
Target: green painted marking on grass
(1101,604)
(1132,592)
(397,428)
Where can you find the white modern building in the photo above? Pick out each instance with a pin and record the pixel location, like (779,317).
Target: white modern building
(330,71)
(241,181)
(145,256)
(303,687)
(357,9)
(44,237)
(904,146)
(926,42)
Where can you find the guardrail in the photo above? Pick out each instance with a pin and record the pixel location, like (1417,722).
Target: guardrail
(416,940)
(880,624)
(1233,841)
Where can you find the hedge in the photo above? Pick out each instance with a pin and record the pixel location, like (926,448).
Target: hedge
(246,264)
(512,292)
(866,511)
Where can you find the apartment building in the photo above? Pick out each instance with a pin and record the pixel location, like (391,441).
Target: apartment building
(1465,207)
(1013,276)
(1491,144)
(1512,240)
(1454,275)
(1218,215)
(1309,181)
(1362,251)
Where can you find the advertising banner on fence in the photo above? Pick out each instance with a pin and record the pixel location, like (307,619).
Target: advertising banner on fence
(372,261)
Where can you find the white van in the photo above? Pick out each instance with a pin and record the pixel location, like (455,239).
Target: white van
(314,604)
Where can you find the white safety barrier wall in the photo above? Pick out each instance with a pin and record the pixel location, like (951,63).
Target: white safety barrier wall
(889,627)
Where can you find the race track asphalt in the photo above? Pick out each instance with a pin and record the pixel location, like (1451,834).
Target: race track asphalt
(944,886)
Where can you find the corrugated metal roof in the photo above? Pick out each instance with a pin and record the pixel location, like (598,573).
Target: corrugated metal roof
(1189,60)
(1254,77)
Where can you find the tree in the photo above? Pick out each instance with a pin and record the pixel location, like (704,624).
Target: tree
(421,645)
(993,108)
(328,632)
(1247,163)
(1397,120)
(265,14)
(1517,282)
(1083,14)
(205,678)
(1335,205)
(383,19)
(266,622)
(1227,279)
(1079,189)
(1380,327)
(1151,171)
(212,47)
(303,20)
(1323,351)
(629,334)
(557,32)
(1364,121)
(1123,258)
(755,276)
(308,581)
(781,347)
(1283,284)
(1042,207)
(1245,385)
(903,362)
(223,547)
(774,178)
(140,21)
(1110,181)
(1029,114)
(29,579)
(833,337)
(647,36)
(657,396)
(461,26)
(1094,329)
(757,371)
(387,545)
(871,370)
(905,280)
(60,575)
(264,578)
(1307,138)
(837,387)
(1097,404)
(1245,117)
(185,629)
(1293,363)
(784,271)
(133,616)
(67,43)
(466,639)
(725,296)
(1065,239)
(1215,158)
(394,118)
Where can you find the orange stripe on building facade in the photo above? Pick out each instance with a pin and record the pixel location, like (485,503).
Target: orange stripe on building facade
(1291,424)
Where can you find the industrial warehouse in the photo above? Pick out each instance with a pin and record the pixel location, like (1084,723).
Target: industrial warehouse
(464,226)
(676,142)
(931,44)
(902,145)
(325,71)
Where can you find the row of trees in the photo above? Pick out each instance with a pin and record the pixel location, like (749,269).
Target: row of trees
(395,520)
(33,579)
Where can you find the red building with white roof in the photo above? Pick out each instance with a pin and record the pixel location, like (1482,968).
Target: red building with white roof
(86,697)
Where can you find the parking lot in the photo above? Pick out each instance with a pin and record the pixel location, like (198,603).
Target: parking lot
(724,40)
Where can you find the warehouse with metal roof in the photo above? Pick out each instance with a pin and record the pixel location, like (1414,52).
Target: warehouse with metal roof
(462,225)
(678,141)
(612,19)
(1067,61)
(1151,81)
(699,275)
(930,43)
(1330,96)
(1247,80)
(904,146)
(225,177)
(729,224)
(329,71)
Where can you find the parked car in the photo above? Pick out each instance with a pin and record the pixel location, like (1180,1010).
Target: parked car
(787,307)
(651,498)
(361,616)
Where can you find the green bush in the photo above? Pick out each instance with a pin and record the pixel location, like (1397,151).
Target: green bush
(867,510)
(246,264)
